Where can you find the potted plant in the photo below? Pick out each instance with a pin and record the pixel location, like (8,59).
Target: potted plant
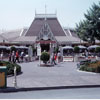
(45,57)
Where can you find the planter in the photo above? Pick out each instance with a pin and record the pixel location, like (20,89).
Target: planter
(76,58)
(46,65)
(97,58)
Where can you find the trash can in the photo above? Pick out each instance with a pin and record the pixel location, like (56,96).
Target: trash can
(3,77)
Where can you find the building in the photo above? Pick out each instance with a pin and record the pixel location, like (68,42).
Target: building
(44,30)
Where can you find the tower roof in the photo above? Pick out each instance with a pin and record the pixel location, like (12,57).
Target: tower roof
(39,21)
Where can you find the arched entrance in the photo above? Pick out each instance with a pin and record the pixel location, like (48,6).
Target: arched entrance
(46,45)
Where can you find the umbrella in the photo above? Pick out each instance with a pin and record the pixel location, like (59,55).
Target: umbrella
(23,47)
(67,47)
(93,46)
(3,47)
(12,46)
(82,47)
(18,47)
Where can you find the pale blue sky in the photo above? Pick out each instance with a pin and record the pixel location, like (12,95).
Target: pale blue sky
(16,14)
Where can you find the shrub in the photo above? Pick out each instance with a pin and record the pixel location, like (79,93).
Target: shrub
(97,50)
(56,50)
(13,48)
(84,62)
(10,67)
(98,69)
(82,68)
(90,69)
(45,57)
(76,49)
(86,68)
(93,69)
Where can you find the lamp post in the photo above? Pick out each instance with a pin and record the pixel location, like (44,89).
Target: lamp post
(15,78)
(50,53)
(39,53)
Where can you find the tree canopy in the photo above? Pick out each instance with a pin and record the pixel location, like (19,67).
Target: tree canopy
(89,28)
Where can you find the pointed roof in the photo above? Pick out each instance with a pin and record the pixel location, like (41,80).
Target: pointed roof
(39,21)
(13,34)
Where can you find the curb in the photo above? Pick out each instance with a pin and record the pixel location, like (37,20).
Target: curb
(11,89)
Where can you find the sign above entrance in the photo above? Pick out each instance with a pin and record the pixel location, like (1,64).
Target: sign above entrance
(46,42)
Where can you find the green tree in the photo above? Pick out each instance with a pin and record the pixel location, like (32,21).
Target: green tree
(89,28)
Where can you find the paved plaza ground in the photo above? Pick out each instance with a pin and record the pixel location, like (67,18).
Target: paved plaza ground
(63,74)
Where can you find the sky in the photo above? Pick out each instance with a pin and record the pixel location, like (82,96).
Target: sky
(15,14)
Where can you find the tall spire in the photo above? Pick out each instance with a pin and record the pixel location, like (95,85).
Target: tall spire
(56,12)
(35,12)
(45,12)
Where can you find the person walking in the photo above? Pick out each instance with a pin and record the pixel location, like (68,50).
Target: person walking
(1,55)
(17,57)
(54,59)
(86,54)
(22,55)
(10,56)
(59,57)
(13,56)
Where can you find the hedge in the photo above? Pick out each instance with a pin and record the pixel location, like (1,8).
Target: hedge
(10,67)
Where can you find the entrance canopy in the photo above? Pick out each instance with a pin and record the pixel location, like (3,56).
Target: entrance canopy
(45,42)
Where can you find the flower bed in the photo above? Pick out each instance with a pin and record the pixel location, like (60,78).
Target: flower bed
(91,66)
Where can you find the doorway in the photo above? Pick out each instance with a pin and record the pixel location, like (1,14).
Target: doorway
(45,47)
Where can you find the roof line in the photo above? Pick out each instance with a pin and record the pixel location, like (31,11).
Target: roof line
(46,15)
(4,38)
(21,32)
(61,27)
(64,31)
(69,32)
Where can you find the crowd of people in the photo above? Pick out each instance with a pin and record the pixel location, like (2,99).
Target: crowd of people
(15,56)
